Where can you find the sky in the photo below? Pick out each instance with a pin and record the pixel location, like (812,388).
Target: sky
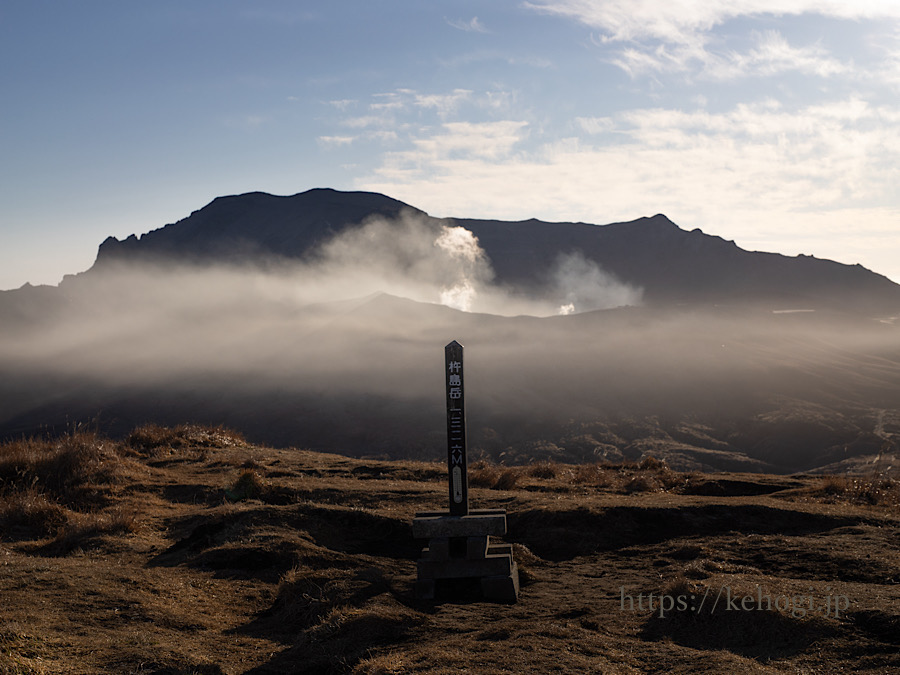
(773,123)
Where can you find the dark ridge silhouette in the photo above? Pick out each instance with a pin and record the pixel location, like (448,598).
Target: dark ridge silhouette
(242,227)
(676,266)
(670,264)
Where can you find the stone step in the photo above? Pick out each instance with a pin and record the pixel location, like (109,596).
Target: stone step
(473,525)
(504,588)
(458,568)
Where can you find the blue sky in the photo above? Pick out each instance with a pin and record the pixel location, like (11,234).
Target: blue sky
(772,123)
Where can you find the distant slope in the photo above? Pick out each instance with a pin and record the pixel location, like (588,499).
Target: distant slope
(671,265)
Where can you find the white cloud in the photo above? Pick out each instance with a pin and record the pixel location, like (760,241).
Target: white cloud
(684,21)
(363,122)
(336,141)
(756,168)
(485,140)
(889,73)
(444,104)
(406,115)
(471,26)
(671,36)
(774,55)
(343,104)
(384,136)
(595,125)
(771,56)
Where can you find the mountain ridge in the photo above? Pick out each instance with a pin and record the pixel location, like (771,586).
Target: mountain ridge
(671,264)
(220,229)
(714,370)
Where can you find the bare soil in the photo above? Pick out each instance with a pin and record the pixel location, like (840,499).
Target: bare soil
(208,555)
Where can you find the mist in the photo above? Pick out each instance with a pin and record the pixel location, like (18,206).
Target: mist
(426,261)
(343,351)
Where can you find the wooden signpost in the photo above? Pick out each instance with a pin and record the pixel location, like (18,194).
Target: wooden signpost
(457,466)
(459,540)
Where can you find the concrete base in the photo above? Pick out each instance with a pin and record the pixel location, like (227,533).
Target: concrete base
(504,588)
(432,524)
(457,568)
(425,589)
(460,547)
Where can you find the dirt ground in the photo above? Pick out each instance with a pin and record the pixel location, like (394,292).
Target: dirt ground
(199,553)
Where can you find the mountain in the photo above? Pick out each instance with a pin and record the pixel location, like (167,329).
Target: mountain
(669,264)
(734,360)
(676,266)
(242,227)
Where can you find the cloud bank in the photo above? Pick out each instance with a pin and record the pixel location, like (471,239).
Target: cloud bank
(757,173)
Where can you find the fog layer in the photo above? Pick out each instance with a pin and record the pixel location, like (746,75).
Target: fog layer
(344,352)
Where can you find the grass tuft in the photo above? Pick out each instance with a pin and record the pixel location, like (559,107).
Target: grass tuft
(154,440)
(29,513)
(493,476)
(69,468)
(544,470)
(873,490)
(83,528)
(57,487)
(249,485)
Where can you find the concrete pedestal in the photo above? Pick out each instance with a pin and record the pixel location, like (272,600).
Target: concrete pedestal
(460,547)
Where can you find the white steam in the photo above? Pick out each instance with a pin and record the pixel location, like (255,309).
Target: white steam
(462,246)
(585,287)
(420,259)
(410,257)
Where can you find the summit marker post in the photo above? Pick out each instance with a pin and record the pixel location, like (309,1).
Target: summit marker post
(459,539)
(457,467)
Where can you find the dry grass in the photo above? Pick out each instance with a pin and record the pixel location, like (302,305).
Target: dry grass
(70,469)
(493,476)
(385,664)
(544,469)
(349,633)
(154,441)
(83,528)
(648,475)
(249,485)
(874,490)
(339,617)
(306,595)
(59,488)
(20,653)
(28,512)
(322,579)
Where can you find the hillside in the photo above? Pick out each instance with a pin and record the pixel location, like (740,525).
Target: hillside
(671,265)
(188,550)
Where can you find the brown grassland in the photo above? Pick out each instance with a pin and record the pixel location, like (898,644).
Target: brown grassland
(188,550)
